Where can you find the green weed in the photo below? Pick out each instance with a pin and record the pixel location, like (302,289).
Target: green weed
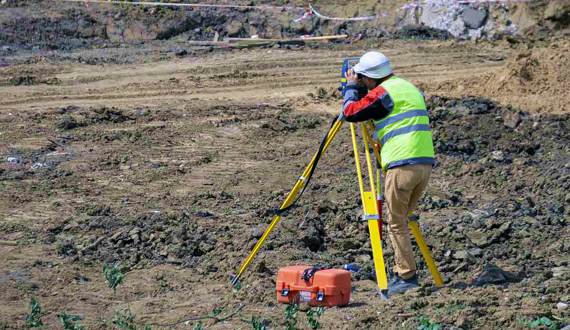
(291,316)
(198,326)
(34,319)
(257,324)
(543,321)
(113,276)
(124,320)
(313,315)
(216,311)
(70,322)
(163,283)
(427,324)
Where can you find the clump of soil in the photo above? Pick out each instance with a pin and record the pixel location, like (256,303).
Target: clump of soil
(422,32)
(535,80)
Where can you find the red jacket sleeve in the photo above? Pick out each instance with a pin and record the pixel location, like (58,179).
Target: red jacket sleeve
(376,105)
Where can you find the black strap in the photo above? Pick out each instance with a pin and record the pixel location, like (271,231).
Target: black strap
(311,171)
(310,272)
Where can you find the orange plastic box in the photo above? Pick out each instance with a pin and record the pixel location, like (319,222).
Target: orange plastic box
(327,287)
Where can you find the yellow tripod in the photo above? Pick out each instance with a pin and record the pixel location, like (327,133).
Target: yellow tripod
(369,203)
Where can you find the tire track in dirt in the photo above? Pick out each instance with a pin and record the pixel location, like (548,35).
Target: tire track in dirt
(254,76)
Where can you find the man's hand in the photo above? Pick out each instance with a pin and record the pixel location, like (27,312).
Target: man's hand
(351,77)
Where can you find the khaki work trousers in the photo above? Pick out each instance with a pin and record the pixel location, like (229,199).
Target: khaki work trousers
(404,187)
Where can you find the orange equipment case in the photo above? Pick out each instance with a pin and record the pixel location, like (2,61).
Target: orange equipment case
(305,284)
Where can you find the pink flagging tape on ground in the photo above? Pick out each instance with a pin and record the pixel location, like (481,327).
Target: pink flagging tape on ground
(360,18)
(306,15)
(194,5)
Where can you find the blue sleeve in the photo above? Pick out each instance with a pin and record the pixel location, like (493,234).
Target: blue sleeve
(350,94)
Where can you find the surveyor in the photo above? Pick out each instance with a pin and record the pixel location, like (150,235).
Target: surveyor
(397,109)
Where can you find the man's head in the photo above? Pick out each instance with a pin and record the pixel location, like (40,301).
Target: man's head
(372,68)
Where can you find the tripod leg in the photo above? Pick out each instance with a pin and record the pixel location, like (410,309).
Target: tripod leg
(371,212)
(290,198)
(370,207)
(424,249)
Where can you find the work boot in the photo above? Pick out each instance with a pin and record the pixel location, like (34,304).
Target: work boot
(400,285)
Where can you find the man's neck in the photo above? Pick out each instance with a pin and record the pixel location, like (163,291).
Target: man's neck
(381,80)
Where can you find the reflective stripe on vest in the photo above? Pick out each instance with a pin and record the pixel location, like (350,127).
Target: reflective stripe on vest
(404,130)
(393,119)
(405,134)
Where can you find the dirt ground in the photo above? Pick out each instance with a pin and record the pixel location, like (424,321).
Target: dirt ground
(170,166)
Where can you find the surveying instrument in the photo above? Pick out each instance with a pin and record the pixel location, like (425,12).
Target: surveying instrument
(371,196)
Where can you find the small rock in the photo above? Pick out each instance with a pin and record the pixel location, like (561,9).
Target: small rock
(81,279)
(559,271)
(18,160)
(363,258)
(479,238)
(234,28)
(37,166)
(498,155)
(461,255)
(327,206)
(134,233)
(70,226)
(205,214)
(511,119)
(116,235)
(181,52)
(502,230)
(561,306)
(257,232)
(476,252)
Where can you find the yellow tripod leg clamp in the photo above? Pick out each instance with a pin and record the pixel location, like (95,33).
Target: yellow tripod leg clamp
(424,249)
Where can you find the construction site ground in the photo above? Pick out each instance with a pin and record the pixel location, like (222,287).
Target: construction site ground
(171,166)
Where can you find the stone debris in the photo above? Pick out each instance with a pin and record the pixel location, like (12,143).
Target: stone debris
(492,274)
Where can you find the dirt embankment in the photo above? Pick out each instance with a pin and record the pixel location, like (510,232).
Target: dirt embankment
(62,25)
(534,80)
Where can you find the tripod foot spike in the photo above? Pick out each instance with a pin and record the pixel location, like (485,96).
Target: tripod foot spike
(234,280)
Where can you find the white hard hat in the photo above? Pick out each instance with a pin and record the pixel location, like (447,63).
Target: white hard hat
(373,65)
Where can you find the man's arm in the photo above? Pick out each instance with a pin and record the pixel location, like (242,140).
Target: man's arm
(376,105)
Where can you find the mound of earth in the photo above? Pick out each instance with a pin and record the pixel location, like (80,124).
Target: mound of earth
(535,80)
